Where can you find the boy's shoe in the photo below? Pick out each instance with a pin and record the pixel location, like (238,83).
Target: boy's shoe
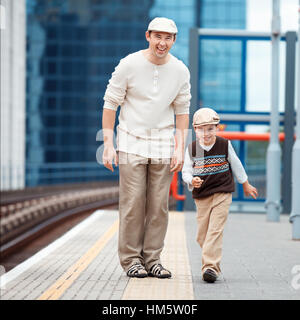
(158,271)
(210,276)
(137,270)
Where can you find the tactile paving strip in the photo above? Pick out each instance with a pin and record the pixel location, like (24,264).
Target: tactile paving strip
(174,258)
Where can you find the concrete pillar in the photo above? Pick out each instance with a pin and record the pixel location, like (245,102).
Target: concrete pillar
(13,70)
(274,152)
(295,214)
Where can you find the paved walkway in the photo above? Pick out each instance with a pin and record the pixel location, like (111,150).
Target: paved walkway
(260,261)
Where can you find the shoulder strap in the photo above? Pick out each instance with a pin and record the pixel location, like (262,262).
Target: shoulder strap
(192,149)
(195,150)
(223,145)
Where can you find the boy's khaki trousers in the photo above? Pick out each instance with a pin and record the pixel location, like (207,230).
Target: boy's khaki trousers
(143,208)
(212,212)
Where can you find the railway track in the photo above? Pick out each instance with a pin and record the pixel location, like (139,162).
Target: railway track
(27,217)
(33,218)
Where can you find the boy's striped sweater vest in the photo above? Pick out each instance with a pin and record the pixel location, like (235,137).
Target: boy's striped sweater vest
(213,167)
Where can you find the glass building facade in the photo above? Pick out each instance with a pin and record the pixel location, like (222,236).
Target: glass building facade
(72,49)
(220,61)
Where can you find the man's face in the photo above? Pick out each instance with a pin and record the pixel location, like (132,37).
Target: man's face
(160,43)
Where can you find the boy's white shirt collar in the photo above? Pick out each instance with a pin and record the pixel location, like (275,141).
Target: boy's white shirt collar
(206,148)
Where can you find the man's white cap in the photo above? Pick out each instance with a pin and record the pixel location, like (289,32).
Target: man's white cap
(163,25)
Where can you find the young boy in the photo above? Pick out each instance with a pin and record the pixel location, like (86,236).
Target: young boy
(208,166)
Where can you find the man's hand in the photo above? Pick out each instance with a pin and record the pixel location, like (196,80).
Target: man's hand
(182,124)
(249,190)
(109,156)
(109,153)
(177,160)
(197,182)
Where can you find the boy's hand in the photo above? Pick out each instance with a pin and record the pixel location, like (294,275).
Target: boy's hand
(249,190)
(197,182)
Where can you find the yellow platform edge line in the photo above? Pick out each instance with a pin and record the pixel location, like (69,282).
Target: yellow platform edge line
(67,279)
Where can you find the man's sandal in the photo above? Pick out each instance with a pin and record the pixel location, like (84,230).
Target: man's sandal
(137,270)
(158,271)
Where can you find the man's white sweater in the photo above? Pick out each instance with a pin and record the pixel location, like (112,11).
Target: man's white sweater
(149,96)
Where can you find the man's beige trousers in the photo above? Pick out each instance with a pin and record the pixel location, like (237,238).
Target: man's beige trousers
(143,208)
(212,212)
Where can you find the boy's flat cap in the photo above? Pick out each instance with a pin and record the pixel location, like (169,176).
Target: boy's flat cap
(205,116)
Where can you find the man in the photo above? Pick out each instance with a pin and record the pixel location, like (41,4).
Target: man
(151,86)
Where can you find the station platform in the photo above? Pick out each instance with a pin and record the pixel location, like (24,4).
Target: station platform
(260,261)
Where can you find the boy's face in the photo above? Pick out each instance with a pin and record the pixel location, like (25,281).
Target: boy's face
(206,134)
